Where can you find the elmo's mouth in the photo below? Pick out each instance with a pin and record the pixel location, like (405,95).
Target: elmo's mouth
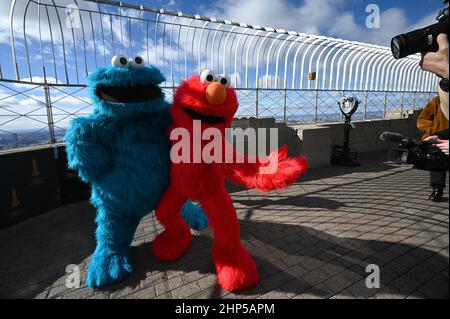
(129,94)
(209,119)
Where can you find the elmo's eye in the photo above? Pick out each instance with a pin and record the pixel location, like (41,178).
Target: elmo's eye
(137,62)
(208,76)
(224,80)
(119,61)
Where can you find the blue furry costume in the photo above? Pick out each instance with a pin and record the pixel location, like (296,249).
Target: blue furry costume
(123,151)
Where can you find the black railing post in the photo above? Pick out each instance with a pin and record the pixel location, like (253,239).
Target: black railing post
(48,106)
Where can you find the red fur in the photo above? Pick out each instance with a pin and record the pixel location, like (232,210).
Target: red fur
(248,173)
(204,182)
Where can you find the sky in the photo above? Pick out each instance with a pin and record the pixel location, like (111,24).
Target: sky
(344,19)
(335,18)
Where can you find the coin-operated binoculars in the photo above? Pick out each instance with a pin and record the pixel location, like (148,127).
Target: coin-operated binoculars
(342,154)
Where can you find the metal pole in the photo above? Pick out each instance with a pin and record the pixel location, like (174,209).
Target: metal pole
(366,94)
(48,106)
(316,98)
(385,104)
(414,100)
(285,105)
(257,103)
(401,107)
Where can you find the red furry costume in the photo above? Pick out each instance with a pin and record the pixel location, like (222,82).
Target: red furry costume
(209,100)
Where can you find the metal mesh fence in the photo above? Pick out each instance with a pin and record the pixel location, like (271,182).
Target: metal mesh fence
(34,114)
(291,76)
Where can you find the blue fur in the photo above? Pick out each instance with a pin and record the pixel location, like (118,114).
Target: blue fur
(194,215)
(123,151)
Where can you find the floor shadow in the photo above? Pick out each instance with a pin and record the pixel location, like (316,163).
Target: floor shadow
(296,259)
(303,201)
(405,269)
(371,162)
(35,253)
(291,258)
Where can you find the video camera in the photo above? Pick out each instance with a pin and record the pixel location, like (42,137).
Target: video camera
(421,40)
(423,155)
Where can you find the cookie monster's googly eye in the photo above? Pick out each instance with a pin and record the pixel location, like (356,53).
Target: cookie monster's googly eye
(208,76)
(119,61)
(224,80)
(136,62)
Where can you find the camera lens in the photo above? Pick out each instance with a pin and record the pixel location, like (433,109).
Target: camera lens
(420,40)
(395,47)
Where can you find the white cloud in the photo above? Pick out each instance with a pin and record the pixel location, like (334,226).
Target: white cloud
(325,17)
(29,112)
(32,25)
(32,19)
(393,21)
(269,81)
(4,21)
(235,79)
(36,79)
(310,17)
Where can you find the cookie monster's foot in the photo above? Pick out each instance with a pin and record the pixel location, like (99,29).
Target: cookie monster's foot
(107,267)
(194,215)
(171,246)
(237,271)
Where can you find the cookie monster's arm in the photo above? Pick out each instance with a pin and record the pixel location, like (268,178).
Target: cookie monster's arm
(165,120)
(86,150)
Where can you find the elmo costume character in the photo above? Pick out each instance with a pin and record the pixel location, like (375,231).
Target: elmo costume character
(210,99)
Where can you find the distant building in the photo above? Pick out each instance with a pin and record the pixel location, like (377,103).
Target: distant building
(14,141)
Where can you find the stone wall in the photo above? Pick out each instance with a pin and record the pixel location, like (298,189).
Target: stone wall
(315,141)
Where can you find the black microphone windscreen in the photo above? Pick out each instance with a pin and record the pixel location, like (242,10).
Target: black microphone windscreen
(391,137)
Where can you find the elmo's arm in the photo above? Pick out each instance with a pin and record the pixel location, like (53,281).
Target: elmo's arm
(273,172)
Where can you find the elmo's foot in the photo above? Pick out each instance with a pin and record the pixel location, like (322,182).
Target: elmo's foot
(170,246)
(238,272)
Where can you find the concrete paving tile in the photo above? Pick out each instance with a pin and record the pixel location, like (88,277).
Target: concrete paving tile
(312,240)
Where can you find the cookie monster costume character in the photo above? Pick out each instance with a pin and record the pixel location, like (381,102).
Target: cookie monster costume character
(207,101)
(122,149)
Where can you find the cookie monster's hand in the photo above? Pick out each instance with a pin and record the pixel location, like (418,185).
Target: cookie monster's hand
(85,152)
(194,215)
(107,266)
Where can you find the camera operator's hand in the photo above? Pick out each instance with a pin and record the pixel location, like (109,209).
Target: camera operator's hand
(437,62)
(432,139)
(443,146)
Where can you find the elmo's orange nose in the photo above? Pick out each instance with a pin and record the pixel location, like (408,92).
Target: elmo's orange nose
(216,93)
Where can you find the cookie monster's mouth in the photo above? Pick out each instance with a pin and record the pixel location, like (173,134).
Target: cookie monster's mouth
(129,94)
(209,119)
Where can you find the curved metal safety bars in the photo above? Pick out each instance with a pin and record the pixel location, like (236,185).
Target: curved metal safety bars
(57,43)
(84,34)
